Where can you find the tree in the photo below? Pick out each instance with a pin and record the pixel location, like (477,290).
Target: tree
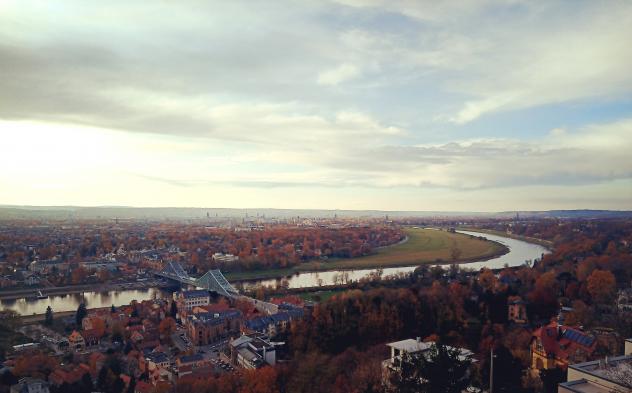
(174,309)
(602,286)
(551,378)
(79,275)
(487,280)
(131,388)
(167,327)
(440,369)
(48,319)
(86,383)
(82,312)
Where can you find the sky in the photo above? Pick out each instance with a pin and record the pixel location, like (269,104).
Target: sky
(472,105)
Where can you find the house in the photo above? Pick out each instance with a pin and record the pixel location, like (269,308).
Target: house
(251,352)
(31,279)
(517,311)
(76,341)
(624,300)
(413,347)
(206,328)
(68,374)
(136,337)
(224,258)
(30,385)
(275,323)
(189,363)
(91,338)
(555,345)
(186,300)
(608,375)
(156,360)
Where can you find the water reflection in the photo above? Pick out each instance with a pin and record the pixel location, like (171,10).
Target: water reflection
(519,252)
(70,302)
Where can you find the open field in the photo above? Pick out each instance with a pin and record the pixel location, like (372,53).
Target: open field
(423,246)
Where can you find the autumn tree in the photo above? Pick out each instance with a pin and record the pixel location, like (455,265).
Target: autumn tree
(259,381)
(167,327)
(487,280)
(79,275)
(602,286)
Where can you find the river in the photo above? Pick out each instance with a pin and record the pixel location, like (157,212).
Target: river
(519,252)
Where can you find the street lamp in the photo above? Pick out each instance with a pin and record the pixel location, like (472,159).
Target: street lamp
(491,371)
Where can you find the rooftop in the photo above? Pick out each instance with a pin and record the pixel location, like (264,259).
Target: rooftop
(603,368)
(409,345)
(195,293)
(584,386)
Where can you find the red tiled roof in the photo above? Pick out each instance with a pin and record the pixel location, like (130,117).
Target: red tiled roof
(561,341)
(68,374)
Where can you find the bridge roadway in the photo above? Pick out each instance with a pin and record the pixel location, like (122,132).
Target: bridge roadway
(214,281)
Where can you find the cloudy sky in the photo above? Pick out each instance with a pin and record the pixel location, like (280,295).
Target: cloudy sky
(352,104)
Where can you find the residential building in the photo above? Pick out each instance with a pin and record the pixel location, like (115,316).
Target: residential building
(252,351)
(624,300)
(224,258)
(30,385)
(47,266)
(556,345)
(157,359)
(31,279)
(607,375)
(413,347)
(206,328)
(76,341)
(188,364)
(186,300)
(517,311)
(275,323)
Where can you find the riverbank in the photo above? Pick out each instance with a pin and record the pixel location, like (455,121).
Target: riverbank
(73,289)
(533,240)
(423,246)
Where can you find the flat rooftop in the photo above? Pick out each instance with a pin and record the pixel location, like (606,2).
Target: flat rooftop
(410,345)
(583,386)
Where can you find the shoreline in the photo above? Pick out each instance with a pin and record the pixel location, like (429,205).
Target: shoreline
(284,273)
(74,289)
(245,277)
(533,240)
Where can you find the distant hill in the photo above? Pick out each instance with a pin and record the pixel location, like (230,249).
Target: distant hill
(157,213)
(583,213)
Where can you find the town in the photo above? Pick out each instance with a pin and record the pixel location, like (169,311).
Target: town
(329,196)
(561,322)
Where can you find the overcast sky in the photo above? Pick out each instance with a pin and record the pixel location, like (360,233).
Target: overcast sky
(352,104)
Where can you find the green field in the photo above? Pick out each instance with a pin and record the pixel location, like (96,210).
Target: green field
(422,246)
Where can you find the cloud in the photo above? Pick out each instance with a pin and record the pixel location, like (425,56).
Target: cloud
(335,94)
(335,76)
